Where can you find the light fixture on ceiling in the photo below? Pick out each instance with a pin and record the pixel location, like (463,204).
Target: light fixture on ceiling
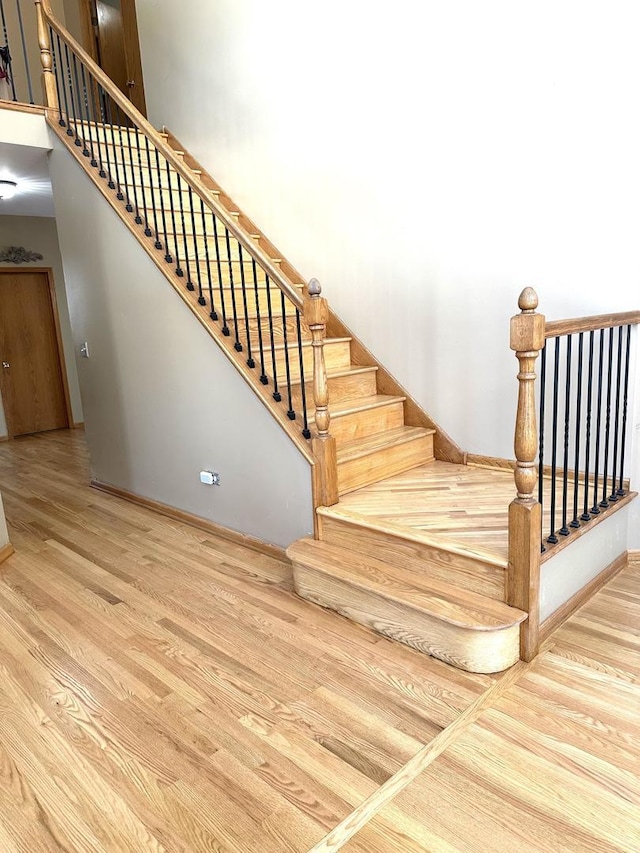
(7,189)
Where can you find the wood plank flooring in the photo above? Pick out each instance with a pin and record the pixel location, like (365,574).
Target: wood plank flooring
(161,689)
(164,690)
(552,765)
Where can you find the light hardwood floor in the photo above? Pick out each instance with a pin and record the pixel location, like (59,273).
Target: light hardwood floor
(164,690)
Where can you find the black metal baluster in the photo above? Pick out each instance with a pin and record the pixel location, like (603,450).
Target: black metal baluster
(81,100)
(543,387)
(564,530)
(277,396)
(237,345)
(552,538)
(223,306)
(7,56)
(595,509)
(56,72)
(306,432)
(126,126)
(143,190)
(179,270)
(250,359)
(201,299)
(212,313)
(127,197)
(585,509)
(157,244)
(163,214)
(106,103)
(616,429)
(625,395)
(290,412)
(93,119)
(575,522)
(24,52)
(604,503)
(263,376)
(63,83)
(73,132)
(187,269)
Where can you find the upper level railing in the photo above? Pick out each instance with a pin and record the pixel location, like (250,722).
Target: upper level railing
(199,242)
(19,64)
(571,438)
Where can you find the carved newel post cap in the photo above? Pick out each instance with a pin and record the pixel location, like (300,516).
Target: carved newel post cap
(314,287)
(528,300)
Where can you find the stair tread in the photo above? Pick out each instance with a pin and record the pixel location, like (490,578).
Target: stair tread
(359,447)
(307,343)
(451,604)
(362,404)
(412,534)
(354,370)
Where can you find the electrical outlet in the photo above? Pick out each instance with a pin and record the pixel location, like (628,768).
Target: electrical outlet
(210,478)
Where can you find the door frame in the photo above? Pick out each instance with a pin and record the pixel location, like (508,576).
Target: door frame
(129,30)
(48,271)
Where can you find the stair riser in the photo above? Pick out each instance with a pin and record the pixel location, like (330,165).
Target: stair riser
(345,388)
(337,355)
(383,463)
(278,330)
(428,560)
(470,650)
(368,422)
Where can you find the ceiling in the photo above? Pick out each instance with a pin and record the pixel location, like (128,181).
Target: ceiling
(30,169)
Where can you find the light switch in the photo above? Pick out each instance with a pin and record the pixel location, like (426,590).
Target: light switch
(84,350)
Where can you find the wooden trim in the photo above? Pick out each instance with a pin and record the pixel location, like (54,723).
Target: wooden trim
(78,425)
(4,438)
(554,328)
(633,557)
(22,108)
(6,551)
(497,463)
(582,596)
(565,541)
(194,520)
(56,325)
(266,263)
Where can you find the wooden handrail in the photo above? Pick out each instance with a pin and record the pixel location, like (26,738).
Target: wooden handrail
(263,260)
(554,328)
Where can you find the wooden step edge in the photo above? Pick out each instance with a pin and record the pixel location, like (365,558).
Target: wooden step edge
(291,345)
(340,372)
(485,614)
(420,537)
(359,448)
(364,404)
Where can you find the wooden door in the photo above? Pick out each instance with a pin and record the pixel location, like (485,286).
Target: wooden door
(31,379)
(111,36)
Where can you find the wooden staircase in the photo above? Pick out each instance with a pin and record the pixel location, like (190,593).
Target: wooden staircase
(439,597)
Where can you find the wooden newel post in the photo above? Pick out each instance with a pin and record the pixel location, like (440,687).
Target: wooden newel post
(523,576)
(316,314)
(46,59)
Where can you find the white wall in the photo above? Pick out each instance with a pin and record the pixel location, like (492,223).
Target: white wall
(38,234)
(161,401)
(426,161)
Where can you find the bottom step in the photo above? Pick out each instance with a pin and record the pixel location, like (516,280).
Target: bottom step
(462,628)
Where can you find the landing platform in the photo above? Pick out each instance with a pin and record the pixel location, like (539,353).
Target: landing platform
(448,503)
